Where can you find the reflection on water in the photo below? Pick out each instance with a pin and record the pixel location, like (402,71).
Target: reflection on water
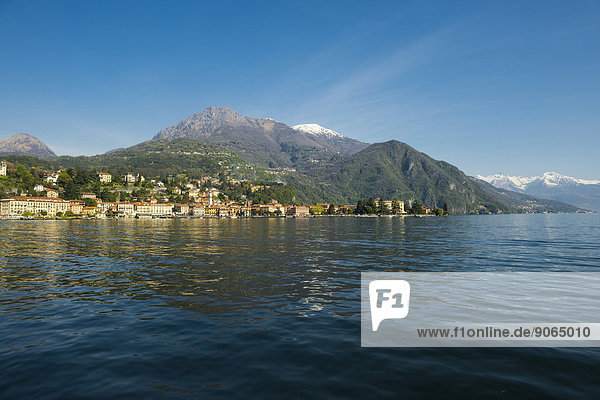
(175,308)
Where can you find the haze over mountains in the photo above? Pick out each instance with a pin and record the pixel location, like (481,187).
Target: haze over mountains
(321,164)
(552,185)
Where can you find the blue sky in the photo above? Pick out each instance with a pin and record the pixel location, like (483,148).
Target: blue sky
(510,87)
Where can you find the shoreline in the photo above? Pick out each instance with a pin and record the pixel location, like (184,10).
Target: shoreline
(17,218)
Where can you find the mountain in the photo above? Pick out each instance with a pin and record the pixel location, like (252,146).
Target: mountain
(523,203)
(551,185)
(261,140)
(331,139)
(327,166)
(394,169)
(24,144)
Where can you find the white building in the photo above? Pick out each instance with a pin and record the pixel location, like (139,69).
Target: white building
(126,209)
(105,177)
(51,178)
(38,188)
(129,178)
(3,168)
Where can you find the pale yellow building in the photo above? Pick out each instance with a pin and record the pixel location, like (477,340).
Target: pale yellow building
(76,206)
(156,209)
(18,205)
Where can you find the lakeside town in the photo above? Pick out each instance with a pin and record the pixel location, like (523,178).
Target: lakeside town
(55,194)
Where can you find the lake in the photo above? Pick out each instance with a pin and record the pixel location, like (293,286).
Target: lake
(264,307)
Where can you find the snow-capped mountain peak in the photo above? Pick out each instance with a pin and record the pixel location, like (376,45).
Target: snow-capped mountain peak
(506,181)
(583,193)
(317,130)
(521,183)
(554,178)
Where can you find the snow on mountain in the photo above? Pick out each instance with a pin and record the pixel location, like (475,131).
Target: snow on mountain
(554,178)
(520,183)
(517,183)
(317,130)
(552,185)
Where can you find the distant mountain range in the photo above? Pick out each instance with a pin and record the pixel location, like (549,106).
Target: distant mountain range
(551,185)
(24,144)
(320,163)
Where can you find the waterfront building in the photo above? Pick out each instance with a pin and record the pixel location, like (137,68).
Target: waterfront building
(401,206)
(245,211)
(224,212)
(18,205)
(347,209)
(154,209)
(389,205)
(76,206)
(211,211)
(162,209)
(299,211)
(103,207)
(143,208)
(89,211)
(197,210)
(126,209)
(182,209)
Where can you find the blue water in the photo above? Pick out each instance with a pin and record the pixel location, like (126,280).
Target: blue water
(265,308)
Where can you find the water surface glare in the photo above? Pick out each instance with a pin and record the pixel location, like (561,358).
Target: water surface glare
(264,307)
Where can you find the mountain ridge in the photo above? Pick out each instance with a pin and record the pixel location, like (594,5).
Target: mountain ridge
(314,163)
(262,140)
(25,144)
(583,193)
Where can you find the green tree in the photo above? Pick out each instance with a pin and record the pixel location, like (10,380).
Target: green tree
(71,191)
(416,208)
(90,202)
(360,207)
(316,210)
(395,206)
(370,207)
(63,178)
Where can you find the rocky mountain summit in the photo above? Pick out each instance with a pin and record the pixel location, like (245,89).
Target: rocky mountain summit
(24,144)
(262,140)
